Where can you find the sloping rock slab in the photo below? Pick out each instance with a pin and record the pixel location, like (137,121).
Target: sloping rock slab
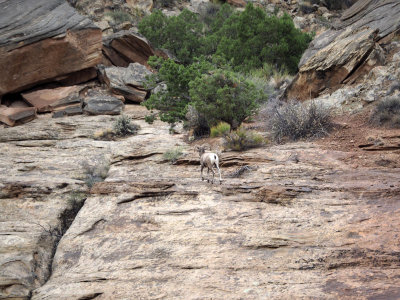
(102,104)
(128,82)
(49,99)
(16,115)
(127,47)
(339,53)
(42,41)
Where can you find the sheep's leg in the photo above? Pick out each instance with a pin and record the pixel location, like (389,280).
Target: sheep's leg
(219,171)
(208,176)
(202,167)
(213,173)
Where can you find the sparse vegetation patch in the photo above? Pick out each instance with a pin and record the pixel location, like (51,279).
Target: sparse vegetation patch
(295,120)
(123,126)
(242,139)
(387,113)
(221,129)
(172,155)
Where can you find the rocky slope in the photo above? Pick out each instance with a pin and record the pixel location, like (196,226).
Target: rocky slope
(83,218)
(300,221)
(348,51)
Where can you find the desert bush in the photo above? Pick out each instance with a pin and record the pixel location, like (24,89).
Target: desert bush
(221,129)
(224,96)
(150,118)
(172,155)
(123,126)
(172,102)
(95,170)
(242,139)
(387,113)
(120,16)
(295,120)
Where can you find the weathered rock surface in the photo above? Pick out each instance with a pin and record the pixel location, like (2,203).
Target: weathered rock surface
(98,103)
(347,51)
(128,82)
(47,100)
(42,41)
(301,222)
(42,176)
(127,47)
(16,115)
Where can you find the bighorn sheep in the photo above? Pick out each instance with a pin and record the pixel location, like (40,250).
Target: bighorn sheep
(208,160)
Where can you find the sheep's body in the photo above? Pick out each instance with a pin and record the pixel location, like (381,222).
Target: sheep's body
(209,160)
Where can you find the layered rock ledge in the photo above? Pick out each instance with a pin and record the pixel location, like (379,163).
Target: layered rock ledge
(299,221)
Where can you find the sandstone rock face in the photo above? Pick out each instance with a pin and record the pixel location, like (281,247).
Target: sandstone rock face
(300,222)
(128,82)
(340,55)
(40,182)
(45,40)
(127,47)
(47,100)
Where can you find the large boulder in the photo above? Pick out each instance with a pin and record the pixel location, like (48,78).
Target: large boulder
(125,47)
(16,115)
(43,41)
(128,82)
(98,103)
(347,51)
(47,100)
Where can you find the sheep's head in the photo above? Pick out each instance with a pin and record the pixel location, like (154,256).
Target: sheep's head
(201,149)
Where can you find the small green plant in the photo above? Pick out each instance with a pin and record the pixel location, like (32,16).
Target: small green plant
(295,120)
(387,113)
(123,126)
(120,16)
(172,155)
(221,129)
(242,139)
(150,118)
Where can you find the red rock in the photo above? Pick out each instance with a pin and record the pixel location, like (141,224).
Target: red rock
(237,3)
(48,99)
(48,40)
(16,115)
(127,47)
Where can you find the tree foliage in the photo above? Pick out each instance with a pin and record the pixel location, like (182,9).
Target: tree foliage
(182,34)
(173,100)
(248,39)
(224,96)
(212,49)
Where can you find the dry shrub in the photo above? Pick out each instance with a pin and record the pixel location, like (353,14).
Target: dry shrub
(172,155)
(387,113)
(242,139)
(123,126)
(295,120)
